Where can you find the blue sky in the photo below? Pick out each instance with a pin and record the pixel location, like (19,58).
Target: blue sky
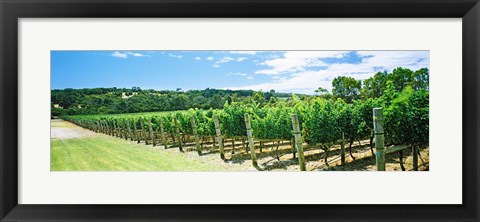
(283,71)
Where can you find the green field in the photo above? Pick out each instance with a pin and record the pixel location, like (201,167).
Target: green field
(97,152)
(124,115)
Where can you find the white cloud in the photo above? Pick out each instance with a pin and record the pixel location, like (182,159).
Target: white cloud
(279,77)
(244,52)
(209,58)
(240,59)
(124,55)
(294,61)
(175,56)
(302,81)
(119,55)
(225,60)
(222,60)
(393,59)
(138,54)
(198,58)
(247,76)
(237,74)
(267,72)
(272,56)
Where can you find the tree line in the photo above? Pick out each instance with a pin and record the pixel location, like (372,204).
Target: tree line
(122,100)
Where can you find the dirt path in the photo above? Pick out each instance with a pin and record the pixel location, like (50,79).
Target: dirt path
(61,129)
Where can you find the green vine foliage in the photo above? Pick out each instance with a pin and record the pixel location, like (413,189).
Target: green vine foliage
(204,121)
(365,113)
(184,122)
(406,118)
(273,123)
(406,115)
(320,122)
(232,120)
(168,123)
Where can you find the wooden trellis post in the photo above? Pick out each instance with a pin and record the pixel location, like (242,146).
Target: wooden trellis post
(129,130)
(150,130)
(415,157)
(135,131)
(124,129)
(142,127)
(103,126)
(219,136)
(195,134)
(342,151)
(250,139)
(115,128)
(298,142)
(177,131)
(110,127)
(120,131)
(97,127)
(379,138)
(162,133)
(119,128)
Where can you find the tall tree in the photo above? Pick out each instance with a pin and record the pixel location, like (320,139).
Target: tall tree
(320,91)
(346,88)
(401,77)
(373,87)
(420,79)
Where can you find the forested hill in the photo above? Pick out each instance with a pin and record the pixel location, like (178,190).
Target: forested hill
(122,100)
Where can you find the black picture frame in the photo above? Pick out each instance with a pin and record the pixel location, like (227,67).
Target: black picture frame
(11,11)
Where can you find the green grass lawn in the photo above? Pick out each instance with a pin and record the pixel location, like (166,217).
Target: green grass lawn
(103,153)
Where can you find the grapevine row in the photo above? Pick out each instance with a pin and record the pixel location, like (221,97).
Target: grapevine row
(323,123)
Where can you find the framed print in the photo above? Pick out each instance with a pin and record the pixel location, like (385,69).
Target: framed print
(180,110)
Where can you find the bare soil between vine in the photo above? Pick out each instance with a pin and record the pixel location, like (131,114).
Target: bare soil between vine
(61,129)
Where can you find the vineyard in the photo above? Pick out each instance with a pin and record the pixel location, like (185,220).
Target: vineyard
(330,126)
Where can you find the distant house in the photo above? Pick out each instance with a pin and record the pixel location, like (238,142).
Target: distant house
(125,96)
